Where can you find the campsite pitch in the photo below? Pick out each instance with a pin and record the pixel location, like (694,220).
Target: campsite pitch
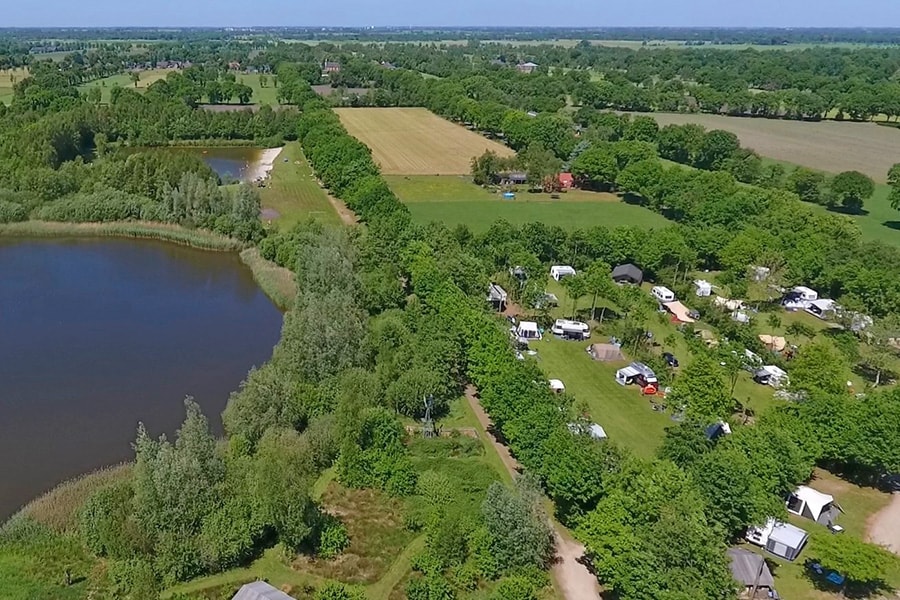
(415,141)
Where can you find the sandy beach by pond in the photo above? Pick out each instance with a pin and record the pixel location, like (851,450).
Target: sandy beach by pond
(263,166)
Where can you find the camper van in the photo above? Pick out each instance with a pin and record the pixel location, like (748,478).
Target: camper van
(637,373)
(663,294)
(557,272)
(571,330)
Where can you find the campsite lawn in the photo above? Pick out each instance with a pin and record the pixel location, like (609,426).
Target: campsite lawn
(294,192)
(415,141)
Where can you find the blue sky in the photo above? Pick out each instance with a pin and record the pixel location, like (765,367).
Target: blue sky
(593,13)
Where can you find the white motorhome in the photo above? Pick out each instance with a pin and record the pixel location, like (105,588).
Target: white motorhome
(571,329)
(663,294)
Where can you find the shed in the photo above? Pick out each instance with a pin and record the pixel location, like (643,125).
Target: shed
(679,311)
(704,288)
(751,572)
(786,541)
(557,272)
(557,386)
(628,273)
(260,590)
(528,330)
(812,504)
(497,296)
(605,352)
(513,178)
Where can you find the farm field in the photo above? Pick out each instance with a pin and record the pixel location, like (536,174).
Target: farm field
(827,145)
(8,78)
(124,80)
(415,141)
(293,191)
(455,200)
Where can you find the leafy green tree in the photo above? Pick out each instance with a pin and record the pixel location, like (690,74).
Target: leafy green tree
(514,588)
(852,189)
(597,165)
(819,367)
(642,129)
(893,179)
(716,148)
(430,587)
(338,591)
(861,563)
(807,184)
(519,528)
(576,288)
(702,390)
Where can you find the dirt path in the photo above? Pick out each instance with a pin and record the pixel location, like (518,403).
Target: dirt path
(348,217)
(572,578)
(884,527)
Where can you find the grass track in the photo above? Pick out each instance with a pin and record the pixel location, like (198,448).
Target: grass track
(415,141)
(294,192)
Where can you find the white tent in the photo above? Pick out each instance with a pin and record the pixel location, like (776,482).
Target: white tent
(810,503)
(728,304)
(704,288)
(597,432)
(528,330)
(557,386)
(781,539)
(557,272)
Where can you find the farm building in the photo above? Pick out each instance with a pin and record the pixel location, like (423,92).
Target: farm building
(628,273)
(771,375)
(704,288)
(526,67)
(781,539)
(566,181)
(527,330)
(752,574)
(497,297)
(813,504)
(605,352)
(822,308)
(260,590)
(557,272)
(663,294)
(330,66)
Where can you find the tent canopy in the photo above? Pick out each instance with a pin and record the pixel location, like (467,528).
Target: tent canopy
(605,352)
(814,501)
(627,272)
(260,590)
(557,386)
(773,342)
(680,311)
(745,566)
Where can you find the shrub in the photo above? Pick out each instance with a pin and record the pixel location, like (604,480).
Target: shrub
(431,587)
(333,538)
(10,212)
(514,588)
(338,591)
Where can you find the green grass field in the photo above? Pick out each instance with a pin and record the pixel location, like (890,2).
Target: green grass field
(261,95)
(124,80)
(294,192)
(454,199)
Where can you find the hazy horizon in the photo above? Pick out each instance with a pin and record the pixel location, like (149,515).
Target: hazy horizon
(846,14)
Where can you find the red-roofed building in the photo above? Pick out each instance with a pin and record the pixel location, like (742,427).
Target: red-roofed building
(566,181)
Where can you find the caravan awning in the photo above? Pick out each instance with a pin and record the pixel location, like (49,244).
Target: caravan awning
(680,311)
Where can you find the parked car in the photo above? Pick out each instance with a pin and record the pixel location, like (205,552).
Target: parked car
(891,483)
(670,359)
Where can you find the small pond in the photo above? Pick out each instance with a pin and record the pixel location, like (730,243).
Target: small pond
(97,335)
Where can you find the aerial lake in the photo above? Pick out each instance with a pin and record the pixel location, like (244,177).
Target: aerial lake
(229,163)
(97,335)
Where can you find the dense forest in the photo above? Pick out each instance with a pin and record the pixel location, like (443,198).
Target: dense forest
(402,307)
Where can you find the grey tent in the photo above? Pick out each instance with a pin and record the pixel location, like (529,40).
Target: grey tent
(605,352)
(751,571)
(260,590)
(628,273)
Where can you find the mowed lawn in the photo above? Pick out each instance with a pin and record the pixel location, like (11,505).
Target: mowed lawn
(827,145)
(294,192)
(415,141)
(454,200)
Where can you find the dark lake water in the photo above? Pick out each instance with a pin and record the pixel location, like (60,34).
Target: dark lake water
(228,163)
(96,335)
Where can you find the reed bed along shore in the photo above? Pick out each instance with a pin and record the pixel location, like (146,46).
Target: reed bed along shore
(196,238)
